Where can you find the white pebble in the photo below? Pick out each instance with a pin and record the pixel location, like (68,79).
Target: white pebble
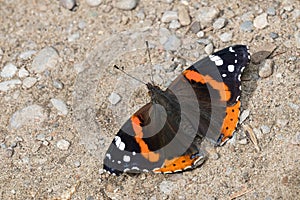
(226,37)
(27,54)
(168,16)
(93,2)
(6,85)
(63,144)
(60,106)
(8,71)
(28,116)
(29,82)
(23,73)
(46,59)
(209,48)
(261,21)
(126,4)
(244,116)
(114,98)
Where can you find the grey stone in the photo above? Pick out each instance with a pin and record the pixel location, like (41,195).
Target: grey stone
(8,71)
(74,37)
(60,106)
(27,54)
(265,129)
(114,98)
(271,11)
(126,4)
(209,48)
(200,34)
(214,156)
(261,21)
(219,23)
(282,122)
(7,85)
(226,37)
(293,106)
(274,35)
(168,16)
(46,59)
(195,27)
(167,187)
(63,144)
(30,115)
(247,26)
(266,68)
(77,163)
(164,34)
(173,43)
(81,24)
(68,4)
(184,16)
(174,24)
(206,15)
(23,73)
(93,2)
(204,41)
(29,82)
(40,137)
(58,84)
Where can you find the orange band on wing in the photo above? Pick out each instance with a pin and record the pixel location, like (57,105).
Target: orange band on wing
(220,86)
(149,155)
(177,164)
(230,121)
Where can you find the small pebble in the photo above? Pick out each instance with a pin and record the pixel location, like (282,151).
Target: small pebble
(296,139)
(73,37)
(77,163)
(114,98)
(46,59)
(206,15)
(226,37)
(168,16)
(9,152)
(261,21)
(282,122)
(215,156)
(219,23)
(126,4)
(40,137)
(172,44)
(23,73)
(297,38)
(93,3)
(247,26)
(164,34)
(29,82)
(81,24)
(266,68)
(289,8)
(166,187)
(274,35)
(243,141)
(265,129)
(184,16)
(174,24)
(271,11)
(209,48)
(45,143)
(68,4)
(200,34)
(244,116)
(293,106)
(63,144)
(7,85)
(27,54)
(60,106)
(204,41)
(195,27)
(58,84)
(8,71)
(30,115)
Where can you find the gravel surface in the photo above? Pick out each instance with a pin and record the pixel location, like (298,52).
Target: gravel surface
(62,102)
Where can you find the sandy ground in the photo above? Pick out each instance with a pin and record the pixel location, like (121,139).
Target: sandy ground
(35,165)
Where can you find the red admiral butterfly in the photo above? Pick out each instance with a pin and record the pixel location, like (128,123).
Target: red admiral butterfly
(203,101)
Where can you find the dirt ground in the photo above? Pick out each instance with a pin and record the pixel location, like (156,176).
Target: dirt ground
(58,154)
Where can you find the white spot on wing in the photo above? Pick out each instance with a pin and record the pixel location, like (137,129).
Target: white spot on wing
(126,158)
(239,77)
(108,156)
(224,75)
(119,143)
(133,153)
(119,162)
(231,68)
(231,50)
(135,168)
(218,61)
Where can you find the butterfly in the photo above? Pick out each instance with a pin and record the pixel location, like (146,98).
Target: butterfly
(203,101)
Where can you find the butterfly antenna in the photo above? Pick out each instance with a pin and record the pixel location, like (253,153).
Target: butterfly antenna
(122,70)
(149,56)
